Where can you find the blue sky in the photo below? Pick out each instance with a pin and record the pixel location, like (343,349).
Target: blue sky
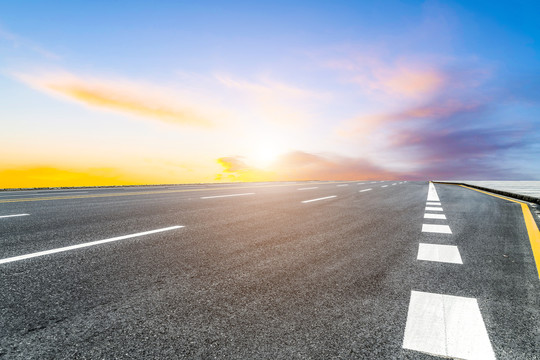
(147,92)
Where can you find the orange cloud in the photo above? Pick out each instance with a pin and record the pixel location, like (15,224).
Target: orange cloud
(232,164)
(404,79)
(127,97)
(436,111)
(235,169)
(411,82)
(299,165)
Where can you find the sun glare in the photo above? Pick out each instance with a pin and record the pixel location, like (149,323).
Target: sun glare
(265,155)
(265,150)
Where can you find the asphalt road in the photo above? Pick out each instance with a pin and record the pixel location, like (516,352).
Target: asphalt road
(266,273)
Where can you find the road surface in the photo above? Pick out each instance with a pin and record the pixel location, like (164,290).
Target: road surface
(317,270)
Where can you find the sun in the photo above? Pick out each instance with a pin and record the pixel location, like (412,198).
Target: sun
(265,151)
(264,146)
(264,155)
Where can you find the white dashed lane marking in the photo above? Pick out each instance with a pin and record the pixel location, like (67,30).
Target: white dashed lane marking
(440,253)
(220,196)
(384,186)
(309,188)
(432,193)
(365,190)
(446,325)
(433,228)
(78,246)
(14,215)
(435,216)
(343,185)
(323,198)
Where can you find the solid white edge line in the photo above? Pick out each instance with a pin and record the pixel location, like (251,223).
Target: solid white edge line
(364,190)
(92,243)
(323,198)
(8,216)
(220,196)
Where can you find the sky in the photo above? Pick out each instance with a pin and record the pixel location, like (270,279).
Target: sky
(167,92)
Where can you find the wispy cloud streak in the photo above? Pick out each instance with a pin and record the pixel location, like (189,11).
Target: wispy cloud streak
(123,96)
(18,41)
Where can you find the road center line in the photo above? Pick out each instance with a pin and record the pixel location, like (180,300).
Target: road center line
(220,196)
(439,253)
(435,228)
(92,243)
(432,193)
(309,188)
(446,325)
(323,198)
(365,190)
(434,216)
(7,216)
